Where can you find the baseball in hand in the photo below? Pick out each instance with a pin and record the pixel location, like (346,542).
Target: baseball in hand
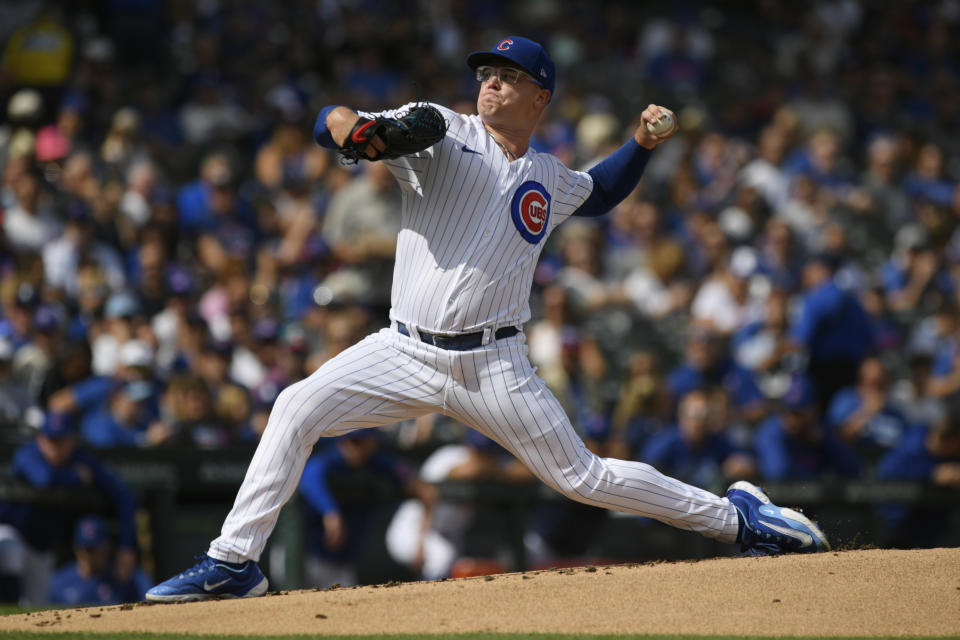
(663,126)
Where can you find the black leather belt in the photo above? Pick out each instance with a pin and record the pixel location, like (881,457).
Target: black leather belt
(462,342)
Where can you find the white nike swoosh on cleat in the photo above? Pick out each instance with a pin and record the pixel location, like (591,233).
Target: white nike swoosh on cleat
(805,538)
(209,587)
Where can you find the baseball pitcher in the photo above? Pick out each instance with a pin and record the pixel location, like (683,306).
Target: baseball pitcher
(478,205)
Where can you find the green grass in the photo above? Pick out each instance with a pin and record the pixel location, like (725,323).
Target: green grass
(53,635)
(13,609)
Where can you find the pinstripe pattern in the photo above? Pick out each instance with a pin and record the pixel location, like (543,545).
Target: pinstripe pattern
(496,392)
(462,265)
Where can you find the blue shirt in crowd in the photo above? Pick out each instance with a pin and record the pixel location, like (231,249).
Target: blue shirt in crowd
(68,587)
(781,456)
(101,430)
(671,454)
(315,489)
(738,382)
(881,433)
(911,460)
(43,527)
(833,325)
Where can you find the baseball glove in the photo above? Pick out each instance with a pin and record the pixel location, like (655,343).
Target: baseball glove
(420,127)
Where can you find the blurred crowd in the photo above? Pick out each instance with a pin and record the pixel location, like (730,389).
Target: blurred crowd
(778,299)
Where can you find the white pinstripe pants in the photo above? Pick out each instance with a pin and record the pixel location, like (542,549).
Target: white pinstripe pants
(387,377)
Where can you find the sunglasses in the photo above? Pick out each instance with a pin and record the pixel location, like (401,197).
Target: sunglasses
(508,75)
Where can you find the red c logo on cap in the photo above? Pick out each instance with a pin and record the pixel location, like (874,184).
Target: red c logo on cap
(503,46)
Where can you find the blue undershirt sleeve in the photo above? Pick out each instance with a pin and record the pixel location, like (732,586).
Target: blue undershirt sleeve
(124,502)
(614,178)
(320,131)
(314,487)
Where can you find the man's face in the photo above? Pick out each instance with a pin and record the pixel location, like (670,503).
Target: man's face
(94,558)
(502,102)
(57,451)
(800,422)
(356,451)
(694,417)
(701,353)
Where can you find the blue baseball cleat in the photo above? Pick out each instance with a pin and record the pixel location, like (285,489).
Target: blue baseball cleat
(209,579)
(766,529)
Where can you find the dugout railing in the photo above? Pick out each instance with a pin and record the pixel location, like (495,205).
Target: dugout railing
(185,494)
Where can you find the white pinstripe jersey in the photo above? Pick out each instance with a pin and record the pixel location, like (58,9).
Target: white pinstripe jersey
(473,225)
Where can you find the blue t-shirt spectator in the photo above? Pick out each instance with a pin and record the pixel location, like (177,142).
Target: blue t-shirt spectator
(910,460)
(44,526)
(833,325)
(782,455)
(70,587)
(917,457)
(882,430)
(123,421)
(320,501)
(736,381)
(701,465)
(90,580)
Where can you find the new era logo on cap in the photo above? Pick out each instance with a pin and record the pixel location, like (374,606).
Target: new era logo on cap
(519,52)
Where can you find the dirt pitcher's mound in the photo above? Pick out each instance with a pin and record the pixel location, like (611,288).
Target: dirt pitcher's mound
(849,593)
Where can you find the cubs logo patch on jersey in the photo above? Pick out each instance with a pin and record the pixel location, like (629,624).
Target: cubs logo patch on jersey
(530,210)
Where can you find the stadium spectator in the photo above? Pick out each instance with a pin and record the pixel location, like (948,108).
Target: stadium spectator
(696,449)
(723,302)
(89,580)
(360,227)
(15,398)
(794,444)
(29,221)
(188,417)
(832,329)
(62,256)
(930,455)
(764,347)
(889,203)
(336,533)
(708,367)
(779,256)
(656,287)
(765,172)
(123,421)
(31,533)
(449,521)
(912,275)
(642,408)
(864,417)
(134,363)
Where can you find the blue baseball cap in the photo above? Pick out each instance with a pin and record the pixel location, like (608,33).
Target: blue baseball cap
(91,531)
(59,425)
(524,53)
(482,443)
